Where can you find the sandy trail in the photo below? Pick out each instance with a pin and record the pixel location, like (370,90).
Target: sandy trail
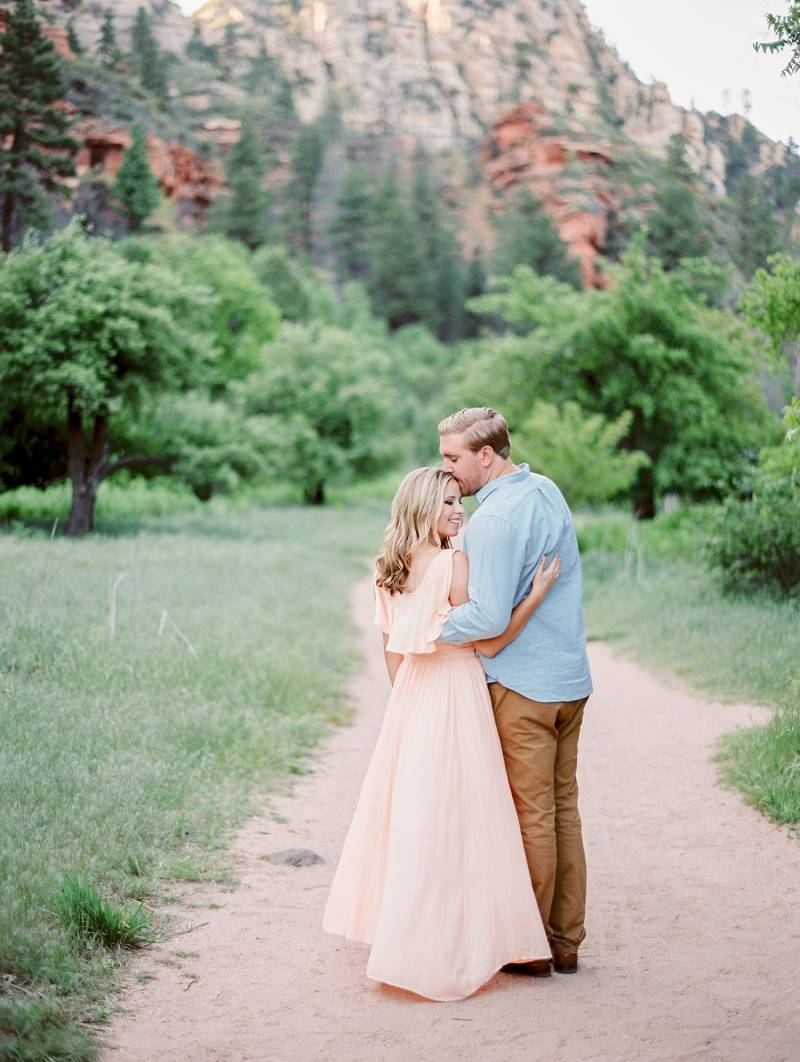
(693,918)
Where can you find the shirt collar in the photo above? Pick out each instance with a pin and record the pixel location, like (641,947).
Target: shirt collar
(523,471)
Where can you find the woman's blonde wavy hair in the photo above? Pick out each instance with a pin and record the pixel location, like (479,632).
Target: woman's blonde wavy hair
(416,508)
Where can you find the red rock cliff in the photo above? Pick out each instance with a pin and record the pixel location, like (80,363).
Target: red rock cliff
(569,176)
(183,174)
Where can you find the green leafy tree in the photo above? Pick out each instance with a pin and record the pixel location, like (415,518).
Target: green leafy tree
(676,228)
(421,365)
(580,451)
(772,305)
(243,317)
(243,214)
(526,235)
(36,150)
(350,228)
(108,49)
(285,281)
(91,343)
(786,29)
(756,231)
(756,544)
(135,185)
(400,280)
(324,402)
(219,449)
(647,345)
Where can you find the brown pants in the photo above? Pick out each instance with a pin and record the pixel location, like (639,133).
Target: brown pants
(540,747)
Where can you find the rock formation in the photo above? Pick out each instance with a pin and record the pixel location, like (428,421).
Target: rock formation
(511,91)
(569,176)
(182,173)
(441,72)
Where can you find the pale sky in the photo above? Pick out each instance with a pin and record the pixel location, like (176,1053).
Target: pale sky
(703,50)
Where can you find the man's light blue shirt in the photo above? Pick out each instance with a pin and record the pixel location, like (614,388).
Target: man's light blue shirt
(521,517)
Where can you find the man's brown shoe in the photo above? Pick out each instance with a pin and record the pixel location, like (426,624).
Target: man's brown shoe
(566,964)
(534,968)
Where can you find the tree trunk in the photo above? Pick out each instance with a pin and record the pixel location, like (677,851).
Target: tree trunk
(7,221)
(87,469)
(10,198)
(644,498)
(81,513)
(315,495)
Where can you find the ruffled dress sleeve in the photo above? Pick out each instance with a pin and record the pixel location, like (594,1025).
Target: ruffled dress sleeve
(419,616)
(384,608)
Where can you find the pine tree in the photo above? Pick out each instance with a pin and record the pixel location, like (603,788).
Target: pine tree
(244,213)
(475,284)
(148,56)
(756,234)
(195,48)
(72,39)
(228,49)
(351,224)
(260,72)
(677,163)
(141,34)
(283,99)
(400,279)
(153,71)
(107,49)
(35,146)
(136,186)
(528,236)
(308,151)
(676,228)
(442,252)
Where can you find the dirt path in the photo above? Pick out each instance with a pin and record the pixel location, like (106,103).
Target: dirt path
(692,947)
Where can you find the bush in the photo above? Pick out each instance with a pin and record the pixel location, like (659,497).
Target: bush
(580,451)
(757,544)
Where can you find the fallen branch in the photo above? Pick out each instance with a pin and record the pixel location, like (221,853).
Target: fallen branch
(191,929)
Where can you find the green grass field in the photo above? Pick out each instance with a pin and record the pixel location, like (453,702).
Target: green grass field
(155,679)
(160,677)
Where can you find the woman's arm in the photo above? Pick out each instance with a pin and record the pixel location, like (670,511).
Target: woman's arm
(543,582)
(393,660)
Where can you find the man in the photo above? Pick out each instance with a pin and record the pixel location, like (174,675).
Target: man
(540,682)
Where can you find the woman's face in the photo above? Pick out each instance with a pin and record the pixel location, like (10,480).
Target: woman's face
(452,515)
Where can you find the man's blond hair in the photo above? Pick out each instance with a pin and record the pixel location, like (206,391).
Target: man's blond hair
(480,426)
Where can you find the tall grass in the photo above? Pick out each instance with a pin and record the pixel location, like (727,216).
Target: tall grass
(130,749)
(91,920)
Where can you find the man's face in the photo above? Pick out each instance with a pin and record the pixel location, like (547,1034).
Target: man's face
(470,470)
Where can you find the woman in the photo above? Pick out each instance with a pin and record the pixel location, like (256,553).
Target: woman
(433,873)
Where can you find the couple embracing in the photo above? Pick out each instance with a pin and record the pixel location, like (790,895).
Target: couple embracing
(465,854)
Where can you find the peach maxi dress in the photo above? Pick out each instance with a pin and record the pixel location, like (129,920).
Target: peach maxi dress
(433,872)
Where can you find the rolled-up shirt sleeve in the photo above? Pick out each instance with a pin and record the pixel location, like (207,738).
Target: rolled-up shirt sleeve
(496,554)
